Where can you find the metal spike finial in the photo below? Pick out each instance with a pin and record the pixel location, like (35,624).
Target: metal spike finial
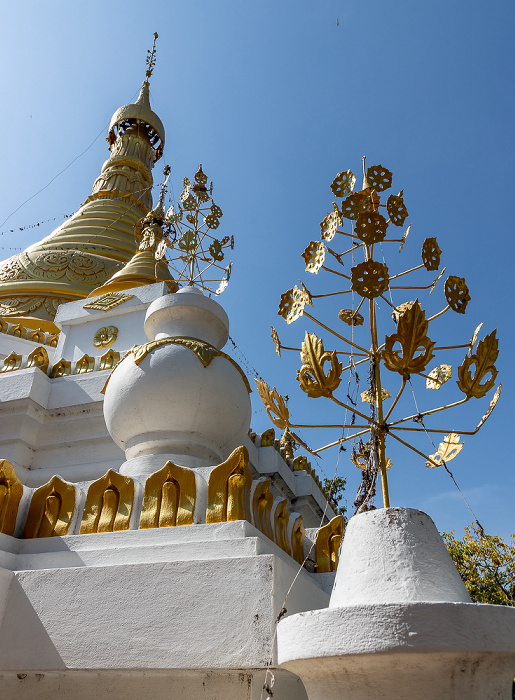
(151,58)
(366,186)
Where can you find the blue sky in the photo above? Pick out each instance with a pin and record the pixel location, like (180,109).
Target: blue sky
(275,98)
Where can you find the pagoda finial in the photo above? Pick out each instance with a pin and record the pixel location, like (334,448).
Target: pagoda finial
(151,59)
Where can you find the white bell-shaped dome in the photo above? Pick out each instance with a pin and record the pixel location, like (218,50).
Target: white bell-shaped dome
(180,395)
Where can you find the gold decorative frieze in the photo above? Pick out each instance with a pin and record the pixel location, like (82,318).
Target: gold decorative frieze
(228,490)
(37,336)
(327,545)
(11,363)
(109,503)
(61,369)
(281,519)
(38,358)
(105,336)
(11,491)
(262,501)
(85,364)
(298,534)
(108,301)
(109,360)
(169,498)
(51,510)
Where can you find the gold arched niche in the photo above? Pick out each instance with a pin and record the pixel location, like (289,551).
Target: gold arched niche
(262,501)
(11,363)
(109,503)
(327,545)
(281,519)
(51,509)
(169,498)
(298,534)
(38,358)
(228,489)
(11,491)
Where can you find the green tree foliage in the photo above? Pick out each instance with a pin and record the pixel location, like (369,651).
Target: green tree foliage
(334,490)
(486,565)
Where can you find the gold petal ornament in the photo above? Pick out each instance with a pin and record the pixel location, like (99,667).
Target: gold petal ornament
(447,450)
(416,347)
(354,205)
(314,256)
(483,361)
(403,239)
(350,317)
(438,376)
(396,209)
(366,396)
(493,404)
(276,340)
(343,184)
(311,376)
(292,304)
(216,211)
(105,336)
(473,339)
(379,178)
(329,225)
(274,404)
(431,254)
(370,227)
(212,221)
(200,176)
(456,293)
(369,279)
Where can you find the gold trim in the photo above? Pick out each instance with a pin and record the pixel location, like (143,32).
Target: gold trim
(228,489)
(11,363)
(38,358)
(281,518)
(37,336)
(169,498)
(109,360)
(109,503)
(51,510)
(61,369)
(262,501)
(327,544)
(298,534)
(11,491)
(17,331)
(84,365)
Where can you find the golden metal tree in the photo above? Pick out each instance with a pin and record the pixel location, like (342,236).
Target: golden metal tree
(406,352)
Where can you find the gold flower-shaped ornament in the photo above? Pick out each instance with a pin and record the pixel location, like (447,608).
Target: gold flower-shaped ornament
(105,336)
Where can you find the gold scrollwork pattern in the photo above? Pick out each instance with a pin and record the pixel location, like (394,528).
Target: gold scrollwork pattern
(327,545)
(51,510)
(169,498)
(109,503)
(11,363)
(262,501)
(281,519)
(11,491)
(228,490)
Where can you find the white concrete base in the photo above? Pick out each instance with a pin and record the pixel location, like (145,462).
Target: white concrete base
(399,625)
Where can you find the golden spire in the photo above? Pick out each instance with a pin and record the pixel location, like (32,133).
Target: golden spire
(98,240)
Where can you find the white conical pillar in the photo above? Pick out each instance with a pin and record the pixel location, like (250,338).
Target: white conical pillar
(400,624)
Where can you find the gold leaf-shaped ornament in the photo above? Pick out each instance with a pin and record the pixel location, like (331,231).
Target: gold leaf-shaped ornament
(438,376)
(416,347)
(370,227)
(350,317)
(493,404)
(275,405)
(200,176)
(431,254)
(366,396)
(353,205)
(276,340)
(343,184)
(456,293)
(447,450)
(212,221)
(379,178)
(369,279)
(474,339)
(215,250)
(483,361)
(396,209)
(329,225)
(399,310)
(311,376)
(216,211)
(314,256)
(292,304)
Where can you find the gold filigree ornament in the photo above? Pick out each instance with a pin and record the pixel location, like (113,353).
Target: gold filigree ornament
(457,294)
(292,304)
(350,317)
(275,405)
(379,178)
(483,360)
(416,347)
(105,336)
(276,340)
(354,205)
(438,376)
(369,279)
(343,184)
(396,209)
(329,225)
(108,301)
(447,450)
(314,256)
(431,254)
(370,227)
(311,376)
(366,396)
